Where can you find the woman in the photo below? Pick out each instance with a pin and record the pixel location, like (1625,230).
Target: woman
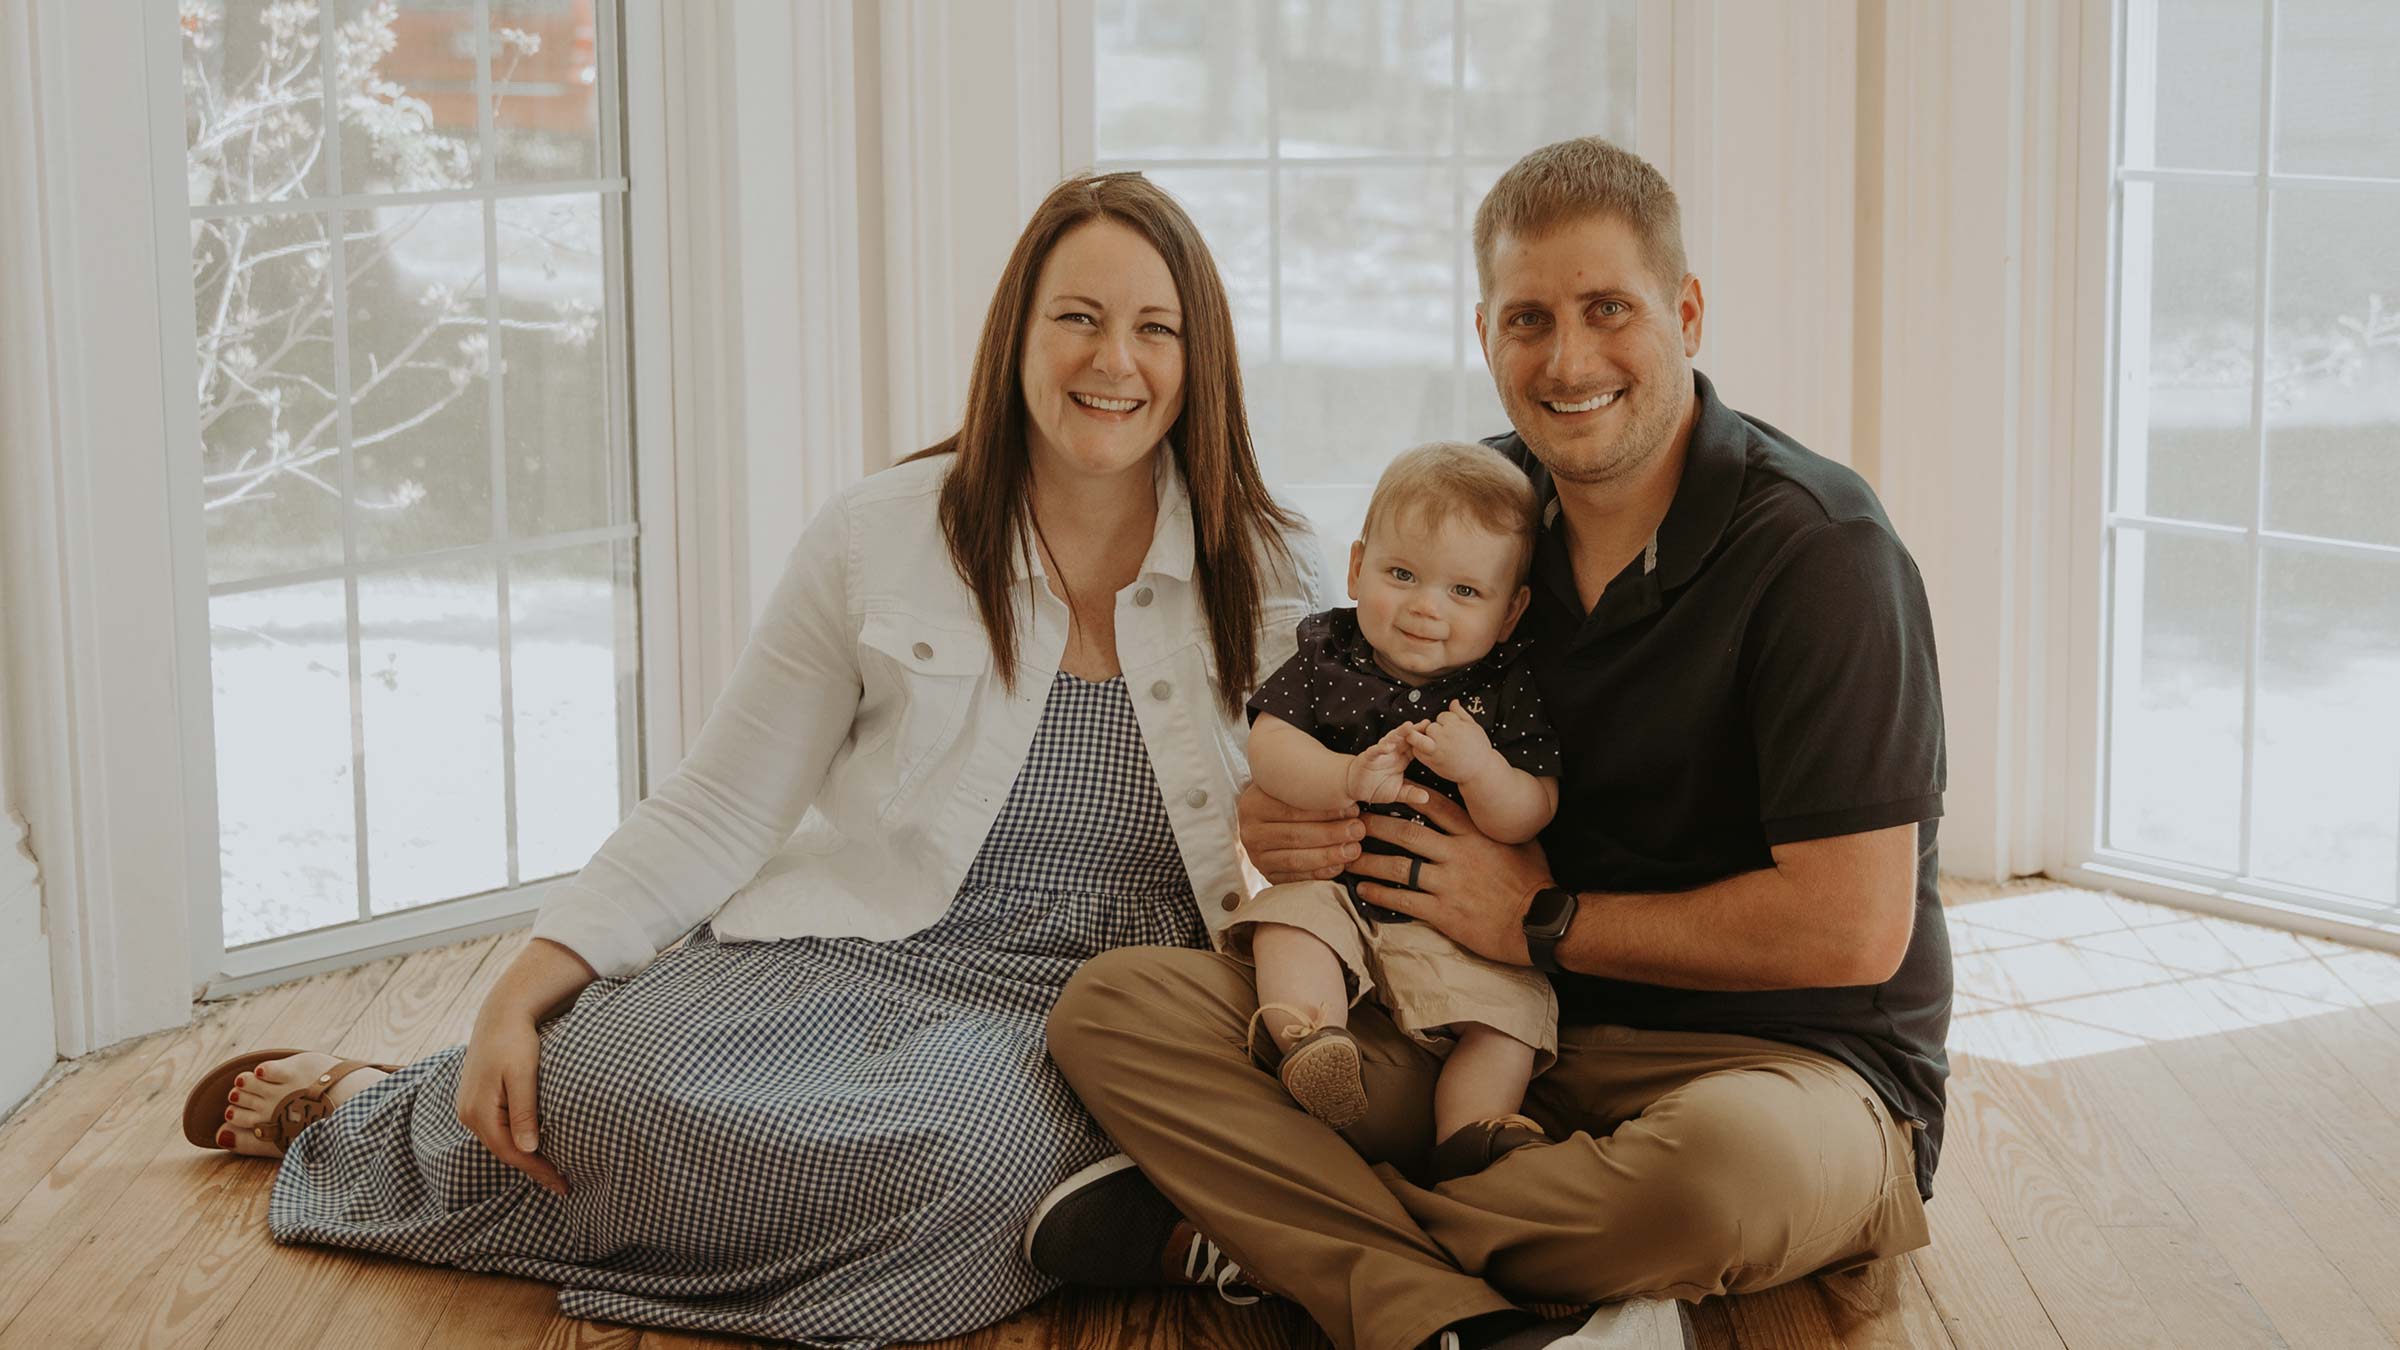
(989,681)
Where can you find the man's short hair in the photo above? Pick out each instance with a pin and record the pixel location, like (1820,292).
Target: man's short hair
(1566,182)
(1446,478)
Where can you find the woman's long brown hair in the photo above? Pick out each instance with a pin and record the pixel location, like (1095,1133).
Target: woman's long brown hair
(987,499)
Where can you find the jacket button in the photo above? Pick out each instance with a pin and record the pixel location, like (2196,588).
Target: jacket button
(1413,694)
(1231,902)
(1143,596)
(1161,690)
(1197,796)
(923,650)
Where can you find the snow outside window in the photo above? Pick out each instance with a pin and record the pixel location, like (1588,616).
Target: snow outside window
(406,226)
(2252,697)
(1333,153)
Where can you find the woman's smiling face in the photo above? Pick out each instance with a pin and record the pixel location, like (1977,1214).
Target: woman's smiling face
(1103,366)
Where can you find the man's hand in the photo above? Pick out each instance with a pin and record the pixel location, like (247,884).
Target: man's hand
(1472,888)
(1455,746)
(1286,843)
(1379,773)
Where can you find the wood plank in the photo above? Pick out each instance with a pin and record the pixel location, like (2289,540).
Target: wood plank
(77,1194)
(1712,1325)
(2030,1060)
(1787,1317)
(1983,1298)
(147,1263)
(1883,1307)
(43,1129)
(2090,1299)
(2298,1130)
(2195,1292)
(494,1312)
(2242,1217)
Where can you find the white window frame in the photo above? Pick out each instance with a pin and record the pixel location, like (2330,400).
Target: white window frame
(214,967)
(109,701)
(2087,623)
(1342,501)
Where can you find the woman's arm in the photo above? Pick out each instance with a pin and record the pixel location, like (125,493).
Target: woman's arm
(750,775)
(497,1088)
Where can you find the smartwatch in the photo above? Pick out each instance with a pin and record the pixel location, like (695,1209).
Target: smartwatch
(1546,922)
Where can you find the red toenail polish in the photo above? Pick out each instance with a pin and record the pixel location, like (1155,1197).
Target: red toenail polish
(229,1113)
(224,1139)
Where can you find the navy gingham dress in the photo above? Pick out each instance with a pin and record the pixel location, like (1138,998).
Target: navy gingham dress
(825,1140)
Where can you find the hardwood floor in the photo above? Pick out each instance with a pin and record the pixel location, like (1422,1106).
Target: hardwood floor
(2165,1130)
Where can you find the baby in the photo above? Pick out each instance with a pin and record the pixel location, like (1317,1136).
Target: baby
(1418,690)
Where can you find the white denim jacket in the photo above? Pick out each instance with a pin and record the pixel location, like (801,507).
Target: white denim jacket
(866,702)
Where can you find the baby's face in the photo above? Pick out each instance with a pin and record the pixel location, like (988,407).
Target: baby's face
(1434,595)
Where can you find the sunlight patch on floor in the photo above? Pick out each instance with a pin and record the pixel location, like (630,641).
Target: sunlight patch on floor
(2061,973)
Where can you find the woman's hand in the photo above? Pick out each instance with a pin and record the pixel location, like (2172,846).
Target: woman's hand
(496,1094)
(1286,843)
(496,1089)
(1472,887)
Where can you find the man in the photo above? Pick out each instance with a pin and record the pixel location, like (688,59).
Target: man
(1735,901)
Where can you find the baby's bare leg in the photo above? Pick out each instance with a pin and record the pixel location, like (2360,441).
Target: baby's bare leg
(1484,1078)
(1299,971)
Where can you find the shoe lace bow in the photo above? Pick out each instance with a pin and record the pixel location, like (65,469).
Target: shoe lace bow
(1205,1263)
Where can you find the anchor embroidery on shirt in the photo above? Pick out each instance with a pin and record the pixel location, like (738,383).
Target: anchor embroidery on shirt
(1474,705)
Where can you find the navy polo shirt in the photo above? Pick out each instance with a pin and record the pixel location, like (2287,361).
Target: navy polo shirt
(1334,689)
(1770,680)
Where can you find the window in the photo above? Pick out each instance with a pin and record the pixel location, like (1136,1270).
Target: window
(407,226)
(1333,153)
(2252,733)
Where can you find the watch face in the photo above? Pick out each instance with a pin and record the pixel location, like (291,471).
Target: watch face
(1549,910)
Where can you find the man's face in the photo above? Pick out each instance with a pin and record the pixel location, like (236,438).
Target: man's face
(1591,353)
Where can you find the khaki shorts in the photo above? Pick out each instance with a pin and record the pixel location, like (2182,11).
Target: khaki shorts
(1427,982)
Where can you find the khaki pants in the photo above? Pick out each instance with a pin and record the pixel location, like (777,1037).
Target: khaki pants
(1688,1164)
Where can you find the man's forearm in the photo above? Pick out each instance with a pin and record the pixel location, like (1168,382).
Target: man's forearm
(1836,913)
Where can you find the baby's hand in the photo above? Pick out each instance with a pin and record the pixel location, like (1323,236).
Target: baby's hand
(1379,773)
(1454,745)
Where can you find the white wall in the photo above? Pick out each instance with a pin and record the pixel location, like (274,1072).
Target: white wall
(28,1040)
(28,1043)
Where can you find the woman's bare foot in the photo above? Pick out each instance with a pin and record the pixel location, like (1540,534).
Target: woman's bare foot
(257,1093)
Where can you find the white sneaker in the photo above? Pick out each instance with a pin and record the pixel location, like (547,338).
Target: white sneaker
(1635,1324)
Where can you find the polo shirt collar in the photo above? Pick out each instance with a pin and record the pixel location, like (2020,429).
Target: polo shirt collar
(1711,485)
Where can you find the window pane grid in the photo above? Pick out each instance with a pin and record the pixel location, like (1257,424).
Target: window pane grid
(2308,744)
(432,632)
(431,197)
(1322,116)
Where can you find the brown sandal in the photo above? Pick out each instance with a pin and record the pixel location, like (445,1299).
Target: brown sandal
(204,1106)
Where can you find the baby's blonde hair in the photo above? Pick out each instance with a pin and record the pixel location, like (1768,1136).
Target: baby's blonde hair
(1458,477)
